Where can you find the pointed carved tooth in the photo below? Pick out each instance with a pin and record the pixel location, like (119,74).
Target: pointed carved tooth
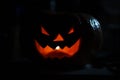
(69,51)
(73,49)
(47,49)
(41,50)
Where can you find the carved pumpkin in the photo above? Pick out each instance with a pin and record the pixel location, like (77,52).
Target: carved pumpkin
(57,52)
(59,40)
(62,35)
(54,36)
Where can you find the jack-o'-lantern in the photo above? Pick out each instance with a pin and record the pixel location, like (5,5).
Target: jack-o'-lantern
(57,36)
(61,39)
(58,51)
(65,35)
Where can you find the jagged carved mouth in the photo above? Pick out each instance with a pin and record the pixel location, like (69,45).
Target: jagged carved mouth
(58,52)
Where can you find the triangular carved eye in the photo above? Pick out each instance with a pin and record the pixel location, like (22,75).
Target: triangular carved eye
(43,31)
(71,31)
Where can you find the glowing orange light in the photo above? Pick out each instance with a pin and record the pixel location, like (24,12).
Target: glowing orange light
(71,31)
(59,38)
(44,31)
(65,52)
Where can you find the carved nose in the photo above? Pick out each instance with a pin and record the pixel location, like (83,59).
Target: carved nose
(59,38)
